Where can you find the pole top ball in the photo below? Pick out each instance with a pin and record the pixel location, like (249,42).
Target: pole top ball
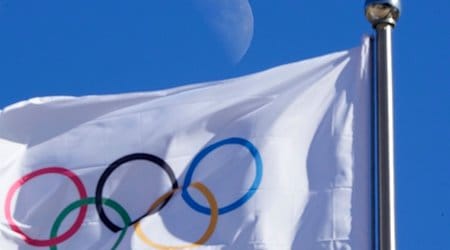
(382,11)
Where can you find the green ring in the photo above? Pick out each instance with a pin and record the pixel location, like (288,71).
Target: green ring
(91,201)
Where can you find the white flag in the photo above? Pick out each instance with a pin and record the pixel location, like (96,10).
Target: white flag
(273,160)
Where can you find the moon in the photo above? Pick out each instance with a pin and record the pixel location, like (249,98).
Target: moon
(231,21)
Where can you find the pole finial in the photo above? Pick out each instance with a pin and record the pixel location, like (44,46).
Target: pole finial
(383,11)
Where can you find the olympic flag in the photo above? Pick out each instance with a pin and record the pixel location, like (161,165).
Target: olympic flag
(273,160)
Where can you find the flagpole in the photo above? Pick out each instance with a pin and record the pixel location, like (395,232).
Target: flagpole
(383,14)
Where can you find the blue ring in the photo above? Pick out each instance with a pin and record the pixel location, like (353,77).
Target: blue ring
(204,152)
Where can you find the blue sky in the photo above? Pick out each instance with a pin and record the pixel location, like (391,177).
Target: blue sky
(54,47)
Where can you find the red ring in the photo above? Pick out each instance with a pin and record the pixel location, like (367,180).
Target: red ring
(58,239)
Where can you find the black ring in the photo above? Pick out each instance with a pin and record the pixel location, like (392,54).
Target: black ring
(113,166)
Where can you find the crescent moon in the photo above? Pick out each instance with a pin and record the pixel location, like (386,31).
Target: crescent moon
(232,23)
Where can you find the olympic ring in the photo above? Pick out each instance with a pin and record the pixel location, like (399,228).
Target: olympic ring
(116,164)
(91,200)
(199,157)
(209,231)
(213,211)
(52,241)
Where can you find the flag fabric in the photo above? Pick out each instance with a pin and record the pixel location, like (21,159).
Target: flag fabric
(273,160)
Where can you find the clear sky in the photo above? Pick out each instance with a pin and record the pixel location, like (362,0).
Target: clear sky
(80,47)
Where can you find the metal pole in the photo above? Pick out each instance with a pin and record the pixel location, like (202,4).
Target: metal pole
(386,181)
(383,15)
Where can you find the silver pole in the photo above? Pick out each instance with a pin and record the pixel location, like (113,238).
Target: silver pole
(383,14)
(386,182)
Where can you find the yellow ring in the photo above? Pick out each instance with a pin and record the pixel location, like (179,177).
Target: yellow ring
(211,227)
